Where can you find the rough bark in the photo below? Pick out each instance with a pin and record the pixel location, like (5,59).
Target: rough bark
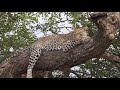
(107,24)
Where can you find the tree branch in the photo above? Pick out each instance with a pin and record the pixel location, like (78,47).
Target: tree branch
(112,58)
(76,73)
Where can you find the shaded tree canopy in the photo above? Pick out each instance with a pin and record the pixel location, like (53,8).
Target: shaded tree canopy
(98,57)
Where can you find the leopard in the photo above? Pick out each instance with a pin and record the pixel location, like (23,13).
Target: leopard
(63,42)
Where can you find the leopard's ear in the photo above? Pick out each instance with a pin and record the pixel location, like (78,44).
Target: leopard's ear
(86,28)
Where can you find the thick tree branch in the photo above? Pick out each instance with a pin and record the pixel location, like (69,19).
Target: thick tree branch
(94,47)
(112,58)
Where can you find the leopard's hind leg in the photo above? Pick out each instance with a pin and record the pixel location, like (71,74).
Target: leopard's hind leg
(35,54)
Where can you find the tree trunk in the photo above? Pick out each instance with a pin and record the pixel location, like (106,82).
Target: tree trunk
(107,24)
